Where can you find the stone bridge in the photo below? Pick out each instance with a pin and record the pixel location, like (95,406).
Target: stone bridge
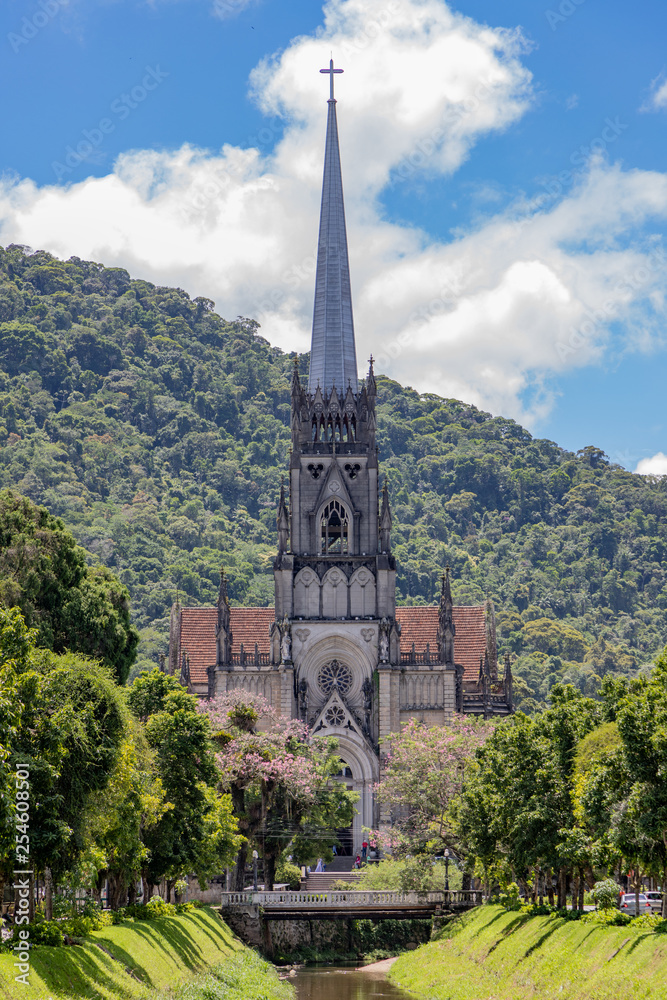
(346,904)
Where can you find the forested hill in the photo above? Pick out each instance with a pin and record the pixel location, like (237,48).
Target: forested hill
(159,433)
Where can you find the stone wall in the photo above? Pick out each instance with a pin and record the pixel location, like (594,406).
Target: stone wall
(287,939)
(209,896)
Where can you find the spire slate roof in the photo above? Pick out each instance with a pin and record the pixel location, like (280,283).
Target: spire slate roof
(333,358)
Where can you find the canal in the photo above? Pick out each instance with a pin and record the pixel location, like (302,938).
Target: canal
(329,983)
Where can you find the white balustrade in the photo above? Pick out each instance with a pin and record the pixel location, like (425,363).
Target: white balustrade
(344,899)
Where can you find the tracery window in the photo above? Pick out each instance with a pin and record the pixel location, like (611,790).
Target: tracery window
(334,716)
(335,526)
(335,673)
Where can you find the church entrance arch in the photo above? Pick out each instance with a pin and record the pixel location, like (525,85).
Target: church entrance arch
(359,773)
(345,834)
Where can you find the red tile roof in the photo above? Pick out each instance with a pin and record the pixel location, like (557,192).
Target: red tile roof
(470,639)
(420,625)
(198,625)
(251,625)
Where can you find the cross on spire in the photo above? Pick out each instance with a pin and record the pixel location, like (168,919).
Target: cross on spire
(331,72)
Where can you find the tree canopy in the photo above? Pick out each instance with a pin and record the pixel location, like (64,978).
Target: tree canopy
(578,790)
(158,432)
(68,604)
(282,781)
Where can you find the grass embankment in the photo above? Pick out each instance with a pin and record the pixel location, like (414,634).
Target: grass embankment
(490,953)
(188,956)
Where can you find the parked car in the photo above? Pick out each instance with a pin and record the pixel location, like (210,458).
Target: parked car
(655,899)
(627,904)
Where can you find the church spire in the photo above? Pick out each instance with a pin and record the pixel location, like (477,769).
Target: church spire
(333,357)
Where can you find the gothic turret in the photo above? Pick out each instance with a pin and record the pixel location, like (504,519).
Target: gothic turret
(282,521)
(446,627)
(491,643)
(223,630)
(385,521)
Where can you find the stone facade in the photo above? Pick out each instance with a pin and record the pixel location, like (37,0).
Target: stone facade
(335,651)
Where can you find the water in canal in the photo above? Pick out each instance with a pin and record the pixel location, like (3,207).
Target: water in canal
(344,984)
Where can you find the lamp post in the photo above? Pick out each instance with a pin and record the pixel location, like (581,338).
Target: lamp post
(255,856)
(446,869)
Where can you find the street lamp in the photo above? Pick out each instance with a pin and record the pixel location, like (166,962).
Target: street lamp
(446,869)
(255,856)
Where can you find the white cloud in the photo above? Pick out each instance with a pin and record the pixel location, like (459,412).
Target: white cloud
(654,466)
(487,317)
(657,99)
(225,9)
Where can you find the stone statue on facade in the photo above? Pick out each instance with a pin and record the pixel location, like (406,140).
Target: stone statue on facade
(367,691)
(303,701)
(383,642)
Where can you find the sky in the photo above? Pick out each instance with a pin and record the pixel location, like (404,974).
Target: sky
(504,167)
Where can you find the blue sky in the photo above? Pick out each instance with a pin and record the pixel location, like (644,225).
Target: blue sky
(504,169)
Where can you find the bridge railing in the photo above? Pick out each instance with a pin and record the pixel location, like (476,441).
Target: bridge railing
(351,898)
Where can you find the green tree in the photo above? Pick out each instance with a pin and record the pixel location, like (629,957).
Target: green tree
(148,692)
(120,818)
(516,807)
(67,723)
(196,832)
(43,572)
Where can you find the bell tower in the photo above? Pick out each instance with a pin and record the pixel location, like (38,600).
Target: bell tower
(335,575)
(340,564)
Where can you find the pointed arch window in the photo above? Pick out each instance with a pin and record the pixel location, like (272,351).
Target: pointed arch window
(335,529)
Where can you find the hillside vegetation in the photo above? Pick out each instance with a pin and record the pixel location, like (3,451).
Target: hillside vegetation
(493,955)
(159,433)
(194,956)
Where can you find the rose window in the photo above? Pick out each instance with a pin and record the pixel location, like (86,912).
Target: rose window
(337,675)
(335,716)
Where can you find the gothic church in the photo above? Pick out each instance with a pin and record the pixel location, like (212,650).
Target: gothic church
(336,651)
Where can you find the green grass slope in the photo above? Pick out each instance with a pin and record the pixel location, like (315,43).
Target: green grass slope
(143,960)
(159,432)
(494,955)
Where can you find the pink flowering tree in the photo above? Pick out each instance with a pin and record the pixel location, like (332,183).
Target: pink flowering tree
(280,779)
(423,772)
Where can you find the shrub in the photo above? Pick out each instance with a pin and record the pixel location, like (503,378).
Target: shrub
(537,909)
(155,907)
(605,894)
(286,872)
(48,932)
(651,920)
(417,874)
(510,899)
(82,925)
(611,918)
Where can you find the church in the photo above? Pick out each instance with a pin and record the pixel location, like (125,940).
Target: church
(335,651)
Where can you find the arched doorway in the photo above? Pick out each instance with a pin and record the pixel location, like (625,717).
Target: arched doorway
(345,834)
(360,774)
